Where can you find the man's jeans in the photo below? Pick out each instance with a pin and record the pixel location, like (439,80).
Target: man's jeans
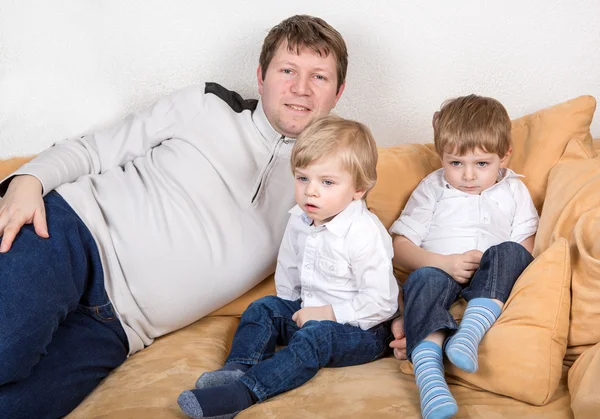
(429,292)
(59,335)
(267,322)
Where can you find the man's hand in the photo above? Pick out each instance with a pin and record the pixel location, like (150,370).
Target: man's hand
(313,313)
(462,266)
(399,342)
(22,204)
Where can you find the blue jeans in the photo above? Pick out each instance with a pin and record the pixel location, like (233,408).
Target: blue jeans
(59,335)
(267,322)
(429,292)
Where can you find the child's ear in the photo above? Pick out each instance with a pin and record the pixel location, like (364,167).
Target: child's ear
(359,194)
(504,160)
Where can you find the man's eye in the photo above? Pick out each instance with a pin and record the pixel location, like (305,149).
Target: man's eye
(287,71)
(320,77)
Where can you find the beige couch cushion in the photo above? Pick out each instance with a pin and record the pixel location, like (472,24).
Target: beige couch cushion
(583,384)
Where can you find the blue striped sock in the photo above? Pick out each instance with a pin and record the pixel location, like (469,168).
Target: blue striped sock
(436,400)
(461,348)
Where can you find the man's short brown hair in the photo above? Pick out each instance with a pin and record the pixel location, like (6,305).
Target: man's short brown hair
(350,141)
(469,122)
(310,32)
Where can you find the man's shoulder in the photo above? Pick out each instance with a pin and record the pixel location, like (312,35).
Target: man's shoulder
(233,99)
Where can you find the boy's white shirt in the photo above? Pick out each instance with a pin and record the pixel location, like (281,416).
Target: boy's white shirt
(346,262)
(445,220)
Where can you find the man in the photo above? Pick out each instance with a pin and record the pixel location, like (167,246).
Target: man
(153,223)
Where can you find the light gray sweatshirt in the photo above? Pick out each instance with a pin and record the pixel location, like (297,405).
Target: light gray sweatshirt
(187,201)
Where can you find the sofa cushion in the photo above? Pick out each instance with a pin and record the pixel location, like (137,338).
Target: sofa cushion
(583,384)
(572,212)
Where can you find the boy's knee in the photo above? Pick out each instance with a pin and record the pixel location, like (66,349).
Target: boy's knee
(427,277)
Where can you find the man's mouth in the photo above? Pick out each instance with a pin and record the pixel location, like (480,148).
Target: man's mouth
(298,107)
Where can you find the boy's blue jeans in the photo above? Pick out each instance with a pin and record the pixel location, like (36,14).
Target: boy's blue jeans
(59,335)
(267,322)
(429,292)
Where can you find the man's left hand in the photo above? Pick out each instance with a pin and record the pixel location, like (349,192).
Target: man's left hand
(313,313)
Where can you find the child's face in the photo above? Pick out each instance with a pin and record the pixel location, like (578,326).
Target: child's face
(473,172)
(324,189)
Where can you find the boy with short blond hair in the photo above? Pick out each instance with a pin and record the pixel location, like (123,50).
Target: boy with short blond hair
(468,228)
(336,291)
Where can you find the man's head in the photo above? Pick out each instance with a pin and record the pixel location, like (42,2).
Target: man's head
(301,73)
(334,163)
(472,136)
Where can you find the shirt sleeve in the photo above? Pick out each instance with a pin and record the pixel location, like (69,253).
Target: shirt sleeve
(287,275)
(371,263)
(415,220)
(96,153)
(526,219)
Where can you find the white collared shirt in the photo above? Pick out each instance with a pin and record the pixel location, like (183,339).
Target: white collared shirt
(346,262)
(444,220)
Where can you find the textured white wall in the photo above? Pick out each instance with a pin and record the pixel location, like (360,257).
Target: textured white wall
(71,66)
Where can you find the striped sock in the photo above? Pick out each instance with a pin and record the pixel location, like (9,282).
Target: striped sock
(461,348)
(436,400)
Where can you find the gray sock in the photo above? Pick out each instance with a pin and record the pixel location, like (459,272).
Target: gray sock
(223,376)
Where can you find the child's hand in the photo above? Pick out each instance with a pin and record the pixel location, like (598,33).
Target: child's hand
(399,342)
(462,266)
(313,313)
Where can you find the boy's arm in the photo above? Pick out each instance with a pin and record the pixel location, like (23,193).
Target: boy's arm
(459,266)
(526,218)
(287,275)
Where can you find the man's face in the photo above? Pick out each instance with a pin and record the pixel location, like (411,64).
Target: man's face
(297,89)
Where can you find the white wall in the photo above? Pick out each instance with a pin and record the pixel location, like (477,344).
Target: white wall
(70,66)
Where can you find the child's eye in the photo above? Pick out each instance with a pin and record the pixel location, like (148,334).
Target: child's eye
(302,178)
(482,163)
(455,163)
(327,182)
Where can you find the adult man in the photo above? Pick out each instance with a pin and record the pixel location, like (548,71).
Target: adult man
(154,223)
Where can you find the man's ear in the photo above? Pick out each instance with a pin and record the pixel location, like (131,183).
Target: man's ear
(504,160)
(259,79)
(339,93)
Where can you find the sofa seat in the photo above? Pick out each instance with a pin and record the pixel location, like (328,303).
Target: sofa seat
(148,383)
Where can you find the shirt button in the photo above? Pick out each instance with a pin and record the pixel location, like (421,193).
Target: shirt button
(314,235)
(307,266)
(310,295)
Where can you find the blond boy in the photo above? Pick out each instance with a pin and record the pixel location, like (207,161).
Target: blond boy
(335,288)
(468,228)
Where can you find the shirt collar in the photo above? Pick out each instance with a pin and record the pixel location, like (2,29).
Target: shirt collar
(341,223)
(268,132)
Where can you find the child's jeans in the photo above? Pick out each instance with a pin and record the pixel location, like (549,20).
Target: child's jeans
(267,322)
(429,292)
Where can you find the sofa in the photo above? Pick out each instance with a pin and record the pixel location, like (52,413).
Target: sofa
(540,360)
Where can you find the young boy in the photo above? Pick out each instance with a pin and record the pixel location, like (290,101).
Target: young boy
(335,287)
(468,228)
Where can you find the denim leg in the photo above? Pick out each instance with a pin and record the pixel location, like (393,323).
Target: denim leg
(428,294)
(499,269)
(316,345)
(59,335)
(83,351)
(266,323)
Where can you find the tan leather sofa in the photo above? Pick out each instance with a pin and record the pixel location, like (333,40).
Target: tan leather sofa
(526,358)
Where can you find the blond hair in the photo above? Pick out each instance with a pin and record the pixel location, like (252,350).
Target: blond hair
(470,122)
(350,141)
(310,32)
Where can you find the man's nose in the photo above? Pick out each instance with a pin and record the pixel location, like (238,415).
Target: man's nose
(301,85)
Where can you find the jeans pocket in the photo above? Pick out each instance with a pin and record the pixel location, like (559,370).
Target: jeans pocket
(103,313)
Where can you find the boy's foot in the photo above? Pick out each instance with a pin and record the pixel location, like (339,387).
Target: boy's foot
(223,402)
(462,347)
(226,375)
(436,400)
